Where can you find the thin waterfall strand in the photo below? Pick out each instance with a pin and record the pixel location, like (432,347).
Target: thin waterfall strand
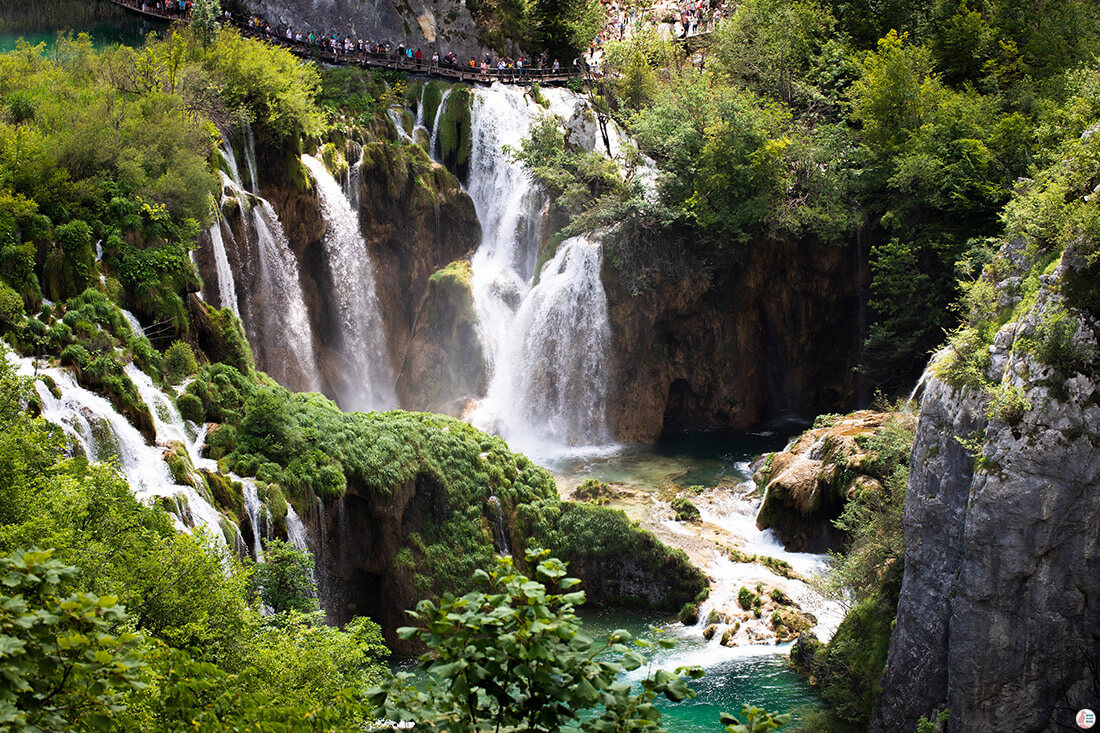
(366,375)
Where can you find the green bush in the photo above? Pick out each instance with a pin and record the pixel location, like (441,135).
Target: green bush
(179,362)
(685,510)
(11,307)
(514,655)
(190,407)
(75,355)
(745,598)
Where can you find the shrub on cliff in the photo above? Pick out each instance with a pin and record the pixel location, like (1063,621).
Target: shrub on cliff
(179,362)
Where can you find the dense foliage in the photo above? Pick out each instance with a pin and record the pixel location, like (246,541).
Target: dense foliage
(163,627)
(515,656)
(110,151)
(899,127)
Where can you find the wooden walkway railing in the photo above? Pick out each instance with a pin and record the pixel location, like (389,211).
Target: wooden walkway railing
(391,61)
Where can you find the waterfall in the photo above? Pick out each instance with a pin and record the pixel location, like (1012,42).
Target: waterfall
(366,376)
(254,507)
(94,425)
(274,312)
(550,369)
(434,139)
(227,289)
(547,344)
(295,529)
(351,185)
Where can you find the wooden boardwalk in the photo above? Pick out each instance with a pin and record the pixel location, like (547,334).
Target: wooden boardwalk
(393,61)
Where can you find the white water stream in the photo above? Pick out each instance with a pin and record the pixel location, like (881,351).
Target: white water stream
(547,345)
(366,376)
(274,311)
(104,435)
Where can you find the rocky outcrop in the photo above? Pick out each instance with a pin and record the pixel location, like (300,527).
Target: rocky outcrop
(779,338)
(436,25)
(807,484)
(999,611)
(416,219)
(444,367)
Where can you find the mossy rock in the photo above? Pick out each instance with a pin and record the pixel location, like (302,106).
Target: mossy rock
(593,491)
(455,132)
(225,493)
(685,510)
(689,614)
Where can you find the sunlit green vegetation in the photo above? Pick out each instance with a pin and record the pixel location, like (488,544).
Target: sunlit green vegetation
(901,125)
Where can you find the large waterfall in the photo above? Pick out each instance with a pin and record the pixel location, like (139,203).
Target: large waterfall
(274,311)
(547,344)
(365,375)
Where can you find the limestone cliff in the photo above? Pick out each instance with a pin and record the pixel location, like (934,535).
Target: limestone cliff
(433,26)
(779,338)
(999,612)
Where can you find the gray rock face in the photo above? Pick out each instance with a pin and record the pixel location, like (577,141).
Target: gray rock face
(999,614)
(432,25)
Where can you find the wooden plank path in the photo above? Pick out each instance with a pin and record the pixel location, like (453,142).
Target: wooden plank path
(391,61)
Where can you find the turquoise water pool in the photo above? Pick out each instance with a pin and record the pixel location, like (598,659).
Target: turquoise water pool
(39,21)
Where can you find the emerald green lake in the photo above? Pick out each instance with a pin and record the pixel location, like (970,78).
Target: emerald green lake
(760,676)
(39,21)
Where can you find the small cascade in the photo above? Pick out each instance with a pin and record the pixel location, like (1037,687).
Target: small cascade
(227,288)
(170,425)
(295,529)
(547,344)
(396,115)
(104,435)
(351,182)
(433,141)
(366,376)
(274,312)
(257,513)
(135,324)
(736,515)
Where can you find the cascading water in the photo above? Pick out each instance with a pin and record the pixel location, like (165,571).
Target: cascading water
(274,312)
(433,139)
(351,183)
(295,529)
(547,344)
(254,508)
(366,376)
(227,287)
(104,435)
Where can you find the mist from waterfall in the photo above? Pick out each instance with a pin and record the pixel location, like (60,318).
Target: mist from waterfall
(365,376)
(547,344)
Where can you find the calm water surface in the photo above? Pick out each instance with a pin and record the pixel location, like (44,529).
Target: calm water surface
(39,21)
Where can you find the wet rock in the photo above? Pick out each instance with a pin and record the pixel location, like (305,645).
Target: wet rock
(807,484)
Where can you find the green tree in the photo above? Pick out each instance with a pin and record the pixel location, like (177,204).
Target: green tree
(772,44)
(63,662)
(205,15)
(514,656)
(179,362)
(285,578)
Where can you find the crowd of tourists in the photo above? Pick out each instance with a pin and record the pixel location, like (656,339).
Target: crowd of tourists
(348,48)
